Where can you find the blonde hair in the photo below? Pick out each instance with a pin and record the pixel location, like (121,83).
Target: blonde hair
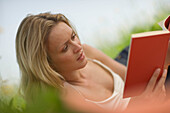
(31,52)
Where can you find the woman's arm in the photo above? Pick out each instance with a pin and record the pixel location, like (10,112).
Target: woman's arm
(99,55)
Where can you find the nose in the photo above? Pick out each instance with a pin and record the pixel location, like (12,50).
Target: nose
(76,47)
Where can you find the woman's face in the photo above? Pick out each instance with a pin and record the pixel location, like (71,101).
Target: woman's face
(65,49)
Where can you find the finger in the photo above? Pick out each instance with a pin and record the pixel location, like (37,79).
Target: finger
(161,82)
(153,80)
(162,96)
(159,97)
(161,93)
(163,88)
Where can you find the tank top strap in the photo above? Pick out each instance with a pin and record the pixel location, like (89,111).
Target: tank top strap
(106,67)
(103,65)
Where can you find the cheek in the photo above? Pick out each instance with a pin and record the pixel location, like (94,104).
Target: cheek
(65,62)
(66,58)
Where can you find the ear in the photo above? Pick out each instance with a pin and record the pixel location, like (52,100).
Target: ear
(50,62)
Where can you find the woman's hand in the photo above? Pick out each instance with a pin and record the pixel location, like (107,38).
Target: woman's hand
(155,91)
(167,61)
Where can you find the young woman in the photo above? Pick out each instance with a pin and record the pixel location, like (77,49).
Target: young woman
(49,53)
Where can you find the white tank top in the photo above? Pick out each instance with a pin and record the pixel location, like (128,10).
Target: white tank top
(115,101)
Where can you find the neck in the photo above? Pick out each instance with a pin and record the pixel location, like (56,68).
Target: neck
(76,77)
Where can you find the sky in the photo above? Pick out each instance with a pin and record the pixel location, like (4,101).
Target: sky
(93,19)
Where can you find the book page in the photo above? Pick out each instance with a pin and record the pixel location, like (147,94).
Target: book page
(149,34)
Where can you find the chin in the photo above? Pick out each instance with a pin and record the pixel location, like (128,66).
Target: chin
(83,64)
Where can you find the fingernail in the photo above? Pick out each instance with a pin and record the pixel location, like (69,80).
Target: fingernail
(165,70)
(158,70)
(165,73)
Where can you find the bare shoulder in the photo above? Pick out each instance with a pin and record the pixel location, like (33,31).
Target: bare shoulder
(89,50)
(94,53)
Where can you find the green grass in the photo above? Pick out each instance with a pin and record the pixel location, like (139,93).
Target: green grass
(113,49)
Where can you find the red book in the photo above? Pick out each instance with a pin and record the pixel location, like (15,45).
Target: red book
(147,52)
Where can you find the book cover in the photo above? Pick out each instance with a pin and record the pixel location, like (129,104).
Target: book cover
(147,52)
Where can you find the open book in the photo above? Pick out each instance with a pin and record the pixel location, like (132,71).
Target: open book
(147,52)
(165,24)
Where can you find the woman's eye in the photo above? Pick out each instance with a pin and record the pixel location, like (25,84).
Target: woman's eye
(73,37)
(65,48)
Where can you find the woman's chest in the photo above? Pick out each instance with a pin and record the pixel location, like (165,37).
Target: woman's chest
(100,75)
(100,85)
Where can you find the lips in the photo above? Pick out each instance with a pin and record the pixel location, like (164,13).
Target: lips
(81,56)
